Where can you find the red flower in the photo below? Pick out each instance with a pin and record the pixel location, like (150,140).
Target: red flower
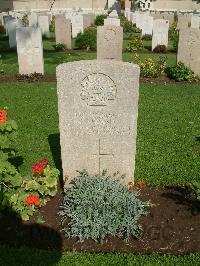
(141,183)
(3,116)
(38,167)
(32,199)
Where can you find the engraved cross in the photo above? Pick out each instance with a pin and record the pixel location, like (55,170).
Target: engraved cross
(101,155)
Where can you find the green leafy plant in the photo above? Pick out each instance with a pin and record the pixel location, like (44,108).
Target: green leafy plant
(195,186)
(23,195)
(52,24)
(99,206)
(2,29)
(60,47)
(1,65)
(160,49)
(99,21)
(87,39)
(135,45)
(147,37)
(180,72)
(25,21)
(151,68)
(128,26)
(173,36)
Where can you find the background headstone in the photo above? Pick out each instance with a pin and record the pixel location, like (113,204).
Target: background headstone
(160,33)
(189,49)
(43,23)
(30,50)
(195,22)
(112,21)
(33,20)
(98,109)
(12,25)
(147,25)
(109,42)
(63,31)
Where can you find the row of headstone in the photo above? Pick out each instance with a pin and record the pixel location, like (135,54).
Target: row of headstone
(158,28)
(184,20)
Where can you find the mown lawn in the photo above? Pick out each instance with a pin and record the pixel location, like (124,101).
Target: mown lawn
(168,145)
(25,256)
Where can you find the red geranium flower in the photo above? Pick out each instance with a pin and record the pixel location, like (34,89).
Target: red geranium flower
(141,183)
(3,116)
(38,167)
(32,199)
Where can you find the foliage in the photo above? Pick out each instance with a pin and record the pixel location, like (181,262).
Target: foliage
(98,206)
(135,45)
(25,20)
(173,36)
(128,26)
(52,24)
(15,189)
(195,186)
(60,47)
(160,49)
(2,29)
(99,21)
(180,72)
(151,68)
(87,39)
(147,37)
(1,66)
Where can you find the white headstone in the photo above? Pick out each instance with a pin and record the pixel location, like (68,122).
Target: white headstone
(195,22)
(147,25)
(33,20)
(12,25)
(160,32)
(30,50)
(112,21)
(43,23)
(98,110)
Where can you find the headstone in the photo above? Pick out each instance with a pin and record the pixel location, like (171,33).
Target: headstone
(195,22)
(160,32)
(30,50)
(63,31)
(77,24)
(43,23)
(189,48)
(33,20)
(109,42)
(112,21)
(98,109)
(183,22)
(88,20)
(6,19)
(147,25)
(113,14)
(12,25)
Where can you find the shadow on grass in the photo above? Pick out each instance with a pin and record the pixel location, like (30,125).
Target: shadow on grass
(54,143)
(16,233)
(184,196)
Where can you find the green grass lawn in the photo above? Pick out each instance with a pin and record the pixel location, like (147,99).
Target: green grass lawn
(25,256)
(168,145)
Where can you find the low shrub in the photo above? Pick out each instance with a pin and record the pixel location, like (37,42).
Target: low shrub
(99,21)
(2,29)
(160,49)
(22,195)
(25,20)
(195,186)
(173,36)
(180,72)
(99,206)
(60,47)
(135,45)
(147,37)
(87,39)
(127,26)
(151,68)
(52,24)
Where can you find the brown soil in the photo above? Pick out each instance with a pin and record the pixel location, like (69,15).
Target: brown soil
(172,226)
(52,78)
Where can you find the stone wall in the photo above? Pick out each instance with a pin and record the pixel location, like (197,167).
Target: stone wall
(45,4)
